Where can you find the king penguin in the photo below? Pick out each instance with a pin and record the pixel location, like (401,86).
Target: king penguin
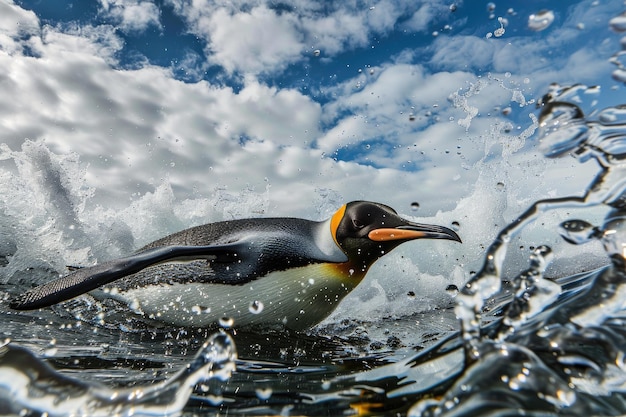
(264,271)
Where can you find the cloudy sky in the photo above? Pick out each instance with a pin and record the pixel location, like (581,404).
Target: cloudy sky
(294,107)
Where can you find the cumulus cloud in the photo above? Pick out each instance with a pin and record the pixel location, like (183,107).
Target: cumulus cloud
(16,27)
(131,15)
(254,37)
(425,16)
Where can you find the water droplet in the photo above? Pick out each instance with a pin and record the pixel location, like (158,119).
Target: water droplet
(618,23)
(577,231)
(500,185)
(411,295)
(263,393)
(452,289)
(500,31)
(456,226)
(214,399)
(415,205)
(226,322)
(540,20)
(619,75)
(256,307)
(135,306)
(51,351)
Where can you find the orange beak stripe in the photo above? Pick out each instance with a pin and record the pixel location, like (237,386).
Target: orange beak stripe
(382,235)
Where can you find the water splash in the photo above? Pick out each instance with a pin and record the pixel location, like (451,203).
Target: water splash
(31,386)
(563,130)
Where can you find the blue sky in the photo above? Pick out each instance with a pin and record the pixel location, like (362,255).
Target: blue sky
(122,121)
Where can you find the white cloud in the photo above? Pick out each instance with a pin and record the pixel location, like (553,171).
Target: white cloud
(258,41)
(131,15)
(422,18)
(16,24)
(251,37)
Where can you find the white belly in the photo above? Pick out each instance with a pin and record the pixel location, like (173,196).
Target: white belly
(298,298)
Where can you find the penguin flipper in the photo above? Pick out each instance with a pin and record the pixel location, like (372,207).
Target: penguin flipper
(89,278)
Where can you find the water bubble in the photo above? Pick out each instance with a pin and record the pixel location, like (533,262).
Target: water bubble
(317,52)
(491,7)
(540,20)
(453,7)
(256,307)
(226,322)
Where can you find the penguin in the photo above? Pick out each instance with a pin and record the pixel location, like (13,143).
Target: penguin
(264,271)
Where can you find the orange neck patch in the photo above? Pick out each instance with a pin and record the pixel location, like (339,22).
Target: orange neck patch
(347,272)
(334,222)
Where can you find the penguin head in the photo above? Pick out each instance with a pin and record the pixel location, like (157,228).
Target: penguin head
(365,231)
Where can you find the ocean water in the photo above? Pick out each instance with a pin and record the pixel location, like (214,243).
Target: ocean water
(509,339)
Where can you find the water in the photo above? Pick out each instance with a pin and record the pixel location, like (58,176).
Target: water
(541,20)
(510,339)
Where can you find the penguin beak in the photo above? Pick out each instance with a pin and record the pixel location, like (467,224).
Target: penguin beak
(410,231)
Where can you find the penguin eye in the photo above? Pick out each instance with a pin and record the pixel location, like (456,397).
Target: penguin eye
(358,223)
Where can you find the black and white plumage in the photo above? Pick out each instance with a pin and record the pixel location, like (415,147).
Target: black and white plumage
(256,271)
